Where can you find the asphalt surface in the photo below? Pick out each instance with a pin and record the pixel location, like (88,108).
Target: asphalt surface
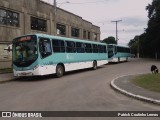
(84,90)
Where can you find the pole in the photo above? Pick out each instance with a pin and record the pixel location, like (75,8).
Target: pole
(116,33)
(138,47)
(117,29)
(55,7)
(55,10)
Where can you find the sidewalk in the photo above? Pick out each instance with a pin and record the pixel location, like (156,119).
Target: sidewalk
(124,85)
(6,77)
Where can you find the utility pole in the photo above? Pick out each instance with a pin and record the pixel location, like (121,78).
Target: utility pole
(138,47)
(55,10)
(116,21)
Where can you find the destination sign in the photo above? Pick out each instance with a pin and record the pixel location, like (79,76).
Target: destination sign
(24,38)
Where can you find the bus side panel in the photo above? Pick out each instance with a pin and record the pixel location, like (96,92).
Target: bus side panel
(121,57)
(71,61)
(83,65)
(47,69)
(77,65)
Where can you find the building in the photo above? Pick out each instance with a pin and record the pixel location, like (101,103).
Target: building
(19,17)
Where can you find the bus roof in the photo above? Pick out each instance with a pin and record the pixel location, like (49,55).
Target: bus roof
(63,38)
(118,45)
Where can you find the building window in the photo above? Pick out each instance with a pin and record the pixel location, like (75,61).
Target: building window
(61,29)
(84,34)
(95,36)
(38,24)
(89,36)
(9,18)
(74,32)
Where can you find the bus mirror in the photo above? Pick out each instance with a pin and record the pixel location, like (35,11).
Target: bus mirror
(9,49)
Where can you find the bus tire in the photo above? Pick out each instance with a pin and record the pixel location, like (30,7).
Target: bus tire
(59,71)
(94,65)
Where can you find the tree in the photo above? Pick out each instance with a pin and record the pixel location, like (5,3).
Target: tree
(134,45)
(153,30)
(149,41)
(109,40)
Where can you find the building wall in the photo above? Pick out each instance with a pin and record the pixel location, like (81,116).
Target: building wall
(41,10)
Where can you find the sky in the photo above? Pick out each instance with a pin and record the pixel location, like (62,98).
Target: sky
(101,12)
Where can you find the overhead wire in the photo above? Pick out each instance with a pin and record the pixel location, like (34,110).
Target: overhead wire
(90,2)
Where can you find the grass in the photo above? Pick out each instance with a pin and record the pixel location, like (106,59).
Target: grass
(6,70)
(148,81)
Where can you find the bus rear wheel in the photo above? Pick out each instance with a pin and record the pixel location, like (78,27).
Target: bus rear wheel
(94,65)
(59,71)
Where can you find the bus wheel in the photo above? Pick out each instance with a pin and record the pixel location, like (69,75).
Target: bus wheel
(94,65)
(59,71)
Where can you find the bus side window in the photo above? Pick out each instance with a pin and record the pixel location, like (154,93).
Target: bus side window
(70,47)
(88,48)
(45,47)
(80,47)
(58,46)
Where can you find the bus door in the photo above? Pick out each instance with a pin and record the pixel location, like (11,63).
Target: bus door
(45,47)
(110,51)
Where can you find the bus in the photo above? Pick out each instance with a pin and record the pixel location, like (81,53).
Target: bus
(41,54)
(117,53)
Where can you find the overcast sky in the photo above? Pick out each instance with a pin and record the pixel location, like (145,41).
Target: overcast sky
(102,12)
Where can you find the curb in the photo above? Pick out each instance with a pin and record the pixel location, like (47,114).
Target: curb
(4,81)
(8,78)
(139,97)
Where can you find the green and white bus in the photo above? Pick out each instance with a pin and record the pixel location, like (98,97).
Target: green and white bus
(41,54)
(117,53)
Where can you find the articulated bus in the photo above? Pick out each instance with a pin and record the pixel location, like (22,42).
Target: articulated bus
(40,54)
(117,53)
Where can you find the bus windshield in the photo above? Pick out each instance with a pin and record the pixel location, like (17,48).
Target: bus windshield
(25,51)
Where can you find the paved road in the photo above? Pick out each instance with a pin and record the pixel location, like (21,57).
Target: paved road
(85,90)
